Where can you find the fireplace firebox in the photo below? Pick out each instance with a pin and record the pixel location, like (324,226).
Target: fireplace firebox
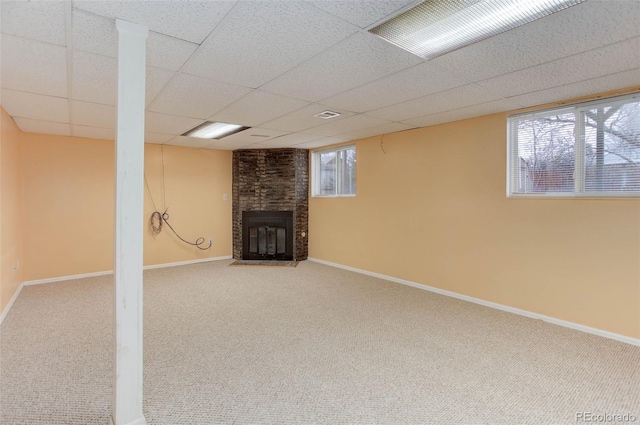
(267,235)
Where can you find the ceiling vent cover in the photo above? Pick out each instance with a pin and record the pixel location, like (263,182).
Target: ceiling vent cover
(325,115)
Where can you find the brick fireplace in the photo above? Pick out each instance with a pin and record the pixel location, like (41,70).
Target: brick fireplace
(270,204)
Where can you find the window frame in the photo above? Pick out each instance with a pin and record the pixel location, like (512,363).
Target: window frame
(579,148)
(315,172)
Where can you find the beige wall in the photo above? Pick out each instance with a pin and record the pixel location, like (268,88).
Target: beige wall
(68,204)
(10,209)
(433,210)
(195,182)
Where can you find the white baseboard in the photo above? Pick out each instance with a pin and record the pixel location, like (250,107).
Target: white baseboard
(11,301)
(185,263)
(139,421)
(103,273)
(63,278)
(107,272)
(532,315)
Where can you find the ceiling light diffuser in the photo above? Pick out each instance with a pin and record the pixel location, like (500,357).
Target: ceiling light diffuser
(325,115)
(435,27)
(214,130)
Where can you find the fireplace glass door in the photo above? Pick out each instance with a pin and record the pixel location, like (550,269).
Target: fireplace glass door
(267,240)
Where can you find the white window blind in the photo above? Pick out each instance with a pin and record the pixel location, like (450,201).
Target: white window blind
(590,149)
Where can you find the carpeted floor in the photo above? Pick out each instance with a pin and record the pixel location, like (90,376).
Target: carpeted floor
(305,345)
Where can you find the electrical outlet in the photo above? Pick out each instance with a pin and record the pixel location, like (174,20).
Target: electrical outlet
(225,197)
(210,241)
(17,265)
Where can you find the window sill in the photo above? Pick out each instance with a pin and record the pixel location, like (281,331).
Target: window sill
(565,195)
(333,196)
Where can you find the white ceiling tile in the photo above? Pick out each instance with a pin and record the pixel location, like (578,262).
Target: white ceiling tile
(33,66)
(441,118)
(408,84)
(447,100)
(611,59)
(95,79)
(576,29)
(363,13)
(157,138)
(251,136)
(196,97)
(168,52)
(226,145)
(478,61)
(169,124)
(188,142)
(257,107)
(156,81)
(94,34)
(311,145)
(35,106)
(214,147)
(349,124)
(286,140)
(245,139)
(97,34)
(616,21)
(325,141)
(260,40)
(43,127)
(579,89)
(93,114)
(463,113)
(93,132)
(356,61)
(37,20)
(253,146)
(187,20)
(303,119)
(392,127)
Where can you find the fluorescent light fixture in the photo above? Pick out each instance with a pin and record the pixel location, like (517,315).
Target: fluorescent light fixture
(435,27)
(214,130)
(325,115)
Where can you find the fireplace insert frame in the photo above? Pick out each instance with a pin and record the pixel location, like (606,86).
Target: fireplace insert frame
(269,221)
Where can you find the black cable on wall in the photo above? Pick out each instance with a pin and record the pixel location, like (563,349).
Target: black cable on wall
(156,221)
(157,218)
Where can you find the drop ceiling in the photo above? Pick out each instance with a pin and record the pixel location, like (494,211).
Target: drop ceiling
(273,65)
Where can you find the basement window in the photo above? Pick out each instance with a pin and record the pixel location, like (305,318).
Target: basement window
(334,171)
(590,149)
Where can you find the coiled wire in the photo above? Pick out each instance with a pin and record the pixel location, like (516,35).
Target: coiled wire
(157,219)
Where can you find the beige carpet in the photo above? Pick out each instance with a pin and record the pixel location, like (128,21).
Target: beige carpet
(305,345)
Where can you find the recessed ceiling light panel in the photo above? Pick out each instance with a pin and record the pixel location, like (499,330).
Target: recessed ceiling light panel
(325,115)
(435,27)
(214,130)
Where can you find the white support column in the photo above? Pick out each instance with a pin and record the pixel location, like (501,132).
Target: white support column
(127,267)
